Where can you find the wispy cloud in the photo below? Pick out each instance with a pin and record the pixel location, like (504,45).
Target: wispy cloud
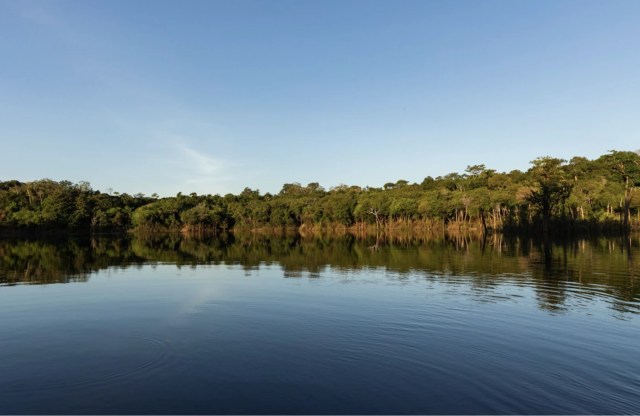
(200,162)
(197,170)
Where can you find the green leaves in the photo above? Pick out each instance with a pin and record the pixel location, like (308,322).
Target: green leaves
(604,189)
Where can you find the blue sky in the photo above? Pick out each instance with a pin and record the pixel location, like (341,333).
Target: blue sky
(210,97)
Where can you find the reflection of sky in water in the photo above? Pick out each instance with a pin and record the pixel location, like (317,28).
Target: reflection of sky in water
(224,339)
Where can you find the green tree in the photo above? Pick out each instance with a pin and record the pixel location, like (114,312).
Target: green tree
(550,187)
(626,167)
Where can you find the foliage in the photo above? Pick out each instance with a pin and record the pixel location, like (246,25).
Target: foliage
(579,193)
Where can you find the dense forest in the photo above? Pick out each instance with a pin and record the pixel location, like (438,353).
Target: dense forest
(552,196)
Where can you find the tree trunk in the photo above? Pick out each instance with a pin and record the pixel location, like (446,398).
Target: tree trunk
(626,209)
(484,223)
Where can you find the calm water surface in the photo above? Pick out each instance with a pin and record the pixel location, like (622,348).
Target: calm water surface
(336,325)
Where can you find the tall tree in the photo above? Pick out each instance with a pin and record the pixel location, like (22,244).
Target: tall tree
(626,166)
(550,187)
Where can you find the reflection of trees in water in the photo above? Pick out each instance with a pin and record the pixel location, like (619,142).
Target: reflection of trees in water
(601,267)
(558,272)
(549,277)
(35,261)
(60,261)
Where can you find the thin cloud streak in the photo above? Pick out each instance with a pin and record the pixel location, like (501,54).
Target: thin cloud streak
(196,168)
(201,162)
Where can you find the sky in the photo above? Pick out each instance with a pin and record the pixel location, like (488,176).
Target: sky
(215,96)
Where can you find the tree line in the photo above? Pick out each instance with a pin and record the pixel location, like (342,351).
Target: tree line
(553,194)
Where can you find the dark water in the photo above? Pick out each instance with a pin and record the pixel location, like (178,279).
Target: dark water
(291,325)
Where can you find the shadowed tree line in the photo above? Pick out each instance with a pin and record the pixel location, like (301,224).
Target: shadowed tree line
(553,195)
(563,274)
